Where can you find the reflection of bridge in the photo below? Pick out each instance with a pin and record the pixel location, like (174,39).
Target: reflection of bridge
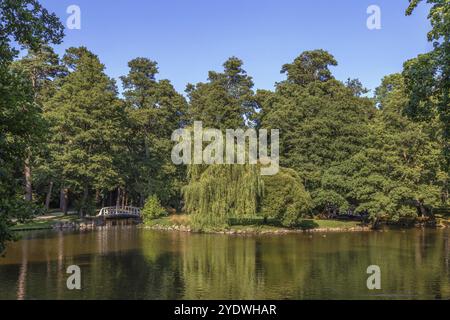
(120,212)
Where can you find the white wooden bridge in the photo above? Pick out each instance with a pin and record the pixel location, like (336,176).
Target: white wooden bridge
(120,212)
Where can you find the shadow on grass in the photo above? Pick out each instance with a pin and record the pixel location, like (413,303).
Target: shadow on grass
(307,224)
(254,221)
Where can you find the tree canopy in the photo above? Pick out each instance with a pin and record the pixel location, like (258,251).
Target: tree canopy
(22,23)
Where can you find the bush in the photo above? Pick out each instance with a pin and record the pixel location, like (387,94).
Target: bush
(285,198)
(153,209)
(253,221)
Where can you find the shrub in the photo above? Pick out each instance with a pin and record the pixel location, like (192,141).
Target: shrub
(153,209)
(285,198)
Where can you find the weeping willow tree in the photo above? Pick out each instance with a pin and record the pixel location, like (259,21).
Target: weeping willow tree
(217,193)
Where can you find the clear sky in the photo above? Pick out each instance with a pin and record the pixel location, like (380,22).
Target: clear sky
(190,37)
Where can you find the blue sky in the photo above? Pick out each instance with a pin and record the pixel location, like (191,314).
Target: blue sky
(190,37)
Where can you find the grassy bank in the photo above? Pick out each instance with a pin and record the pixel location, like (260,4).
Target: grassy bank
(181,222)
(45,222)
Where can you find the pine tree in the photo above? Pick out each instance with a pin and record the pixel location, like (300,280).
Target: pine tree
(226,101)
(154,111)
(41,66)
(86,123)
(26,23)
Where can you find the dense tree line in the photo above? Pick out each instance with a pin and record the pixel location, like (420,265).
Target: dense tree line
(69,140)
(27,23)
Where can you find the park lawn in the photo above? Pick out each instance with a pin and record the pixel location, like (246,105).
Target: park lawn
(47,222)
(33,225)
(306,224)
(255,228)
(171,220)
(332,224)
(41,223)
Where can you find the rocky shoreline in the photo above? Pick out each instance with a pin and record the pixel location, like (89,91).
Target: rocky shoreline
(256,231)
(74,226)
(92,224)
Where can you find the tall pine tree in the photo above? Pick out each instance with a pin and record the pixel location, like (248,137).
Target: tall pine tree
(27,23)
(86,122)
(154,111)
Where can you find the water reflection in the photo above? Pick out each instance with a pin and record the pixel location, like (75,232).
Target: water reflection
(131,263)
(23,273)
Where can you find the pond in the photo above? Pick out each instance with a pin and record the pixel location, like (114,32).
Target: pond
(134,263)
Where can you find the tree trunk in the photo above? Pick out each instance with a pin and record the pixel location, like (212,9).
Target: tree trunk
(64,200)
(61,199)
(48,198)
(118,198)
(375,223)
(27,169)
(97,197)
(28,182)
(83,210)
(423,211)
(124,196)
(141,200)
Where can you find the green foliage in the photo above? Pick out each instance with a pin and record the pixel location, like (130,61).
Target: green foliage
(439,17)
(388,156)
(220,192)
(368,161)
(226,101)
(356,86)
(285,198)
(42,67)
(315,134)
(154,110)
(398,173)
(427,77)
(309,67)
(216,193)
(26,23)
(351,156)
(85,116)
(153,209)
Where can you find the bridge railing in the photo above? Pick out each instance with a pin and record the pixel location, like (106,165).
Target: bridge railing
(118,211)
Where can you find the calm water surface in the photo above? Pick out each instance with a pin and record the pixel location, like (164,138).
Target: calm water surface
(132,263)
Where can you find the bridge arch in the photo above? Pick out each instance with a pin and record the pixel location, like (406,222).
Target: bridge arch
(120,212)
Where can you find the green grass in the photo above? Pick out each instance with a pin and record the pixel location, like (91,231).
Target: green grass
(255,228)
(256,224)
(330,224)
(165,222)
(33,225)
(38,224)
(307,224)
